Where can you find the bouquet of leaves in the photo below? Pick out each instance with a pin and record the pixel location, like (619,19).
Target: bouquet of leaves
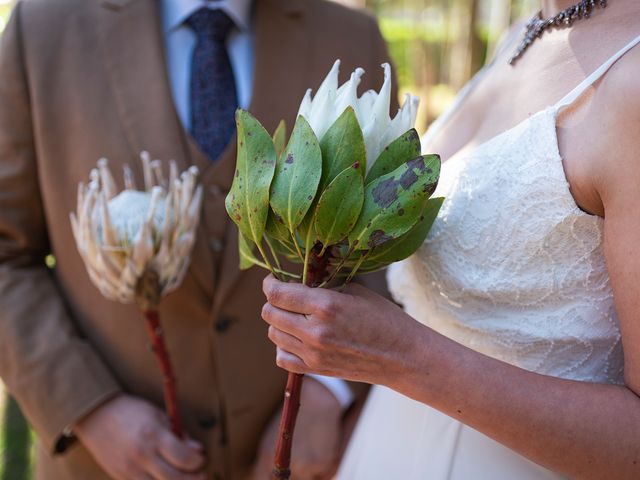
(348,193)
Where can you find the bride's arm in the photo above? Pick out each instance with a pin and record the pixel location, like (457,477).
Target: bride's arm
(580,429)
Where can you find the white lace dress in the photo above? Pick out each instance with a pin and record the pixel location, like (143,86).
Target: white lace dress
(513,269)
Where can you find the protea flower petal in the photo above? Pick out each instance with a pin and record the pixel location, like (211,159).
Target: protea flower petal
(122,235)
(372,109)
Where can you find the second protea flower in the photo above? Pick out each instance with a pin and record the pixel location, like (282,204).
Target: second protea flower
(371,109)
(136,245)
(123,235)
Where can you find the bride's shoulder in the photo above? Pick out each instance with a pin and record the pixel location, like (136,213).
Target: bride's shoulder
(621,84)
(617,103)
(618,99)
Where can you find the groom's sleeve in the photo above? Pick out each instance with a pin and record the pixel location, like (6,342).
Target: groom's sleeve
(55,375)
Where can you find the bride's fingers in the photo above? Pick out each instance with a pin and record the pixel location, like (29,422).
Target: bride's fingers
(295,297)
(290,362)
(286,342)
(289,322)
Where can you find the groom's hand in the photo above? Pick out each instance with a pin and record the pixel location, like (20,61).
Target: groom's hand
(131,440)
(318,436)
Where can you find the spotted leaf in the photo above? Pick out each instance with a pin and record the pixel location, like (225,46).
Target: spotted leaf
(248,200)
(394,202)
(401,150)
(339,206)
(405,245)
(297,175)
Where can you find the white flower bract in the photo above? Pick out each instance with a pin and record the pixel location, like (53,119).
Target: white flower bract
(121,235)
(372,110)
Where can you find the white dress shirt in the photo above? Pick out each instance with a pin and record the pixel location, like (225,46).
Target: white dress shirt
(179,42)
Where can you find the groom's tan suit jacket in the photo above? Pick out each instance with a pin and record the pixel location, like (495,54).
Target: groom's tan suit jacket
(83,79)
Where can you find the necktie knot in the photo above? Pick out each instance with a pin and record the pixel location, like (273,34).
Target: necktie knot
(210,24)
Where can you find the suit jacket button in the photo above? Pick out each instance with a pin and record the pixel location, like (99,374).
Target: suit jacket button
(207,423)
(223,323)
(217,245)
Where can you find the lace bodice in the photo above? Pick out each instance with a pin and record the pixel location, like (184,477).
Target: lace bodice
(512,267)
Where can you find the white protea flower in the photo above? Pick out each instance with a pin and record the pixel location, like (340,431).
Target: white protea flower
(121,236)
(372,109)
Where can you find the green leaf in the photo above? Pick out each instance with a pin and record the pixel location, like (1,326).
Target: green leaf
(306,227)
(285,249)
(276,228)
(406,245)
(394,202)
(297,175)
(280,235)
(248,200)
(401,150)
(280,138)
(248,258)
(342,146)
(245,250)
(339,206)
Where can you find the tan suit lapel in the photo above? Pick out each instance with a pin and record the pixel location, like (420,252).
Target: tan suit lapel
(132,48)
(280,79)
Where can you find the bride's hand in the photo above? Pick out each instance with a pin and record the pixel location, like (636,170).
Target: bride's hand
(349,334)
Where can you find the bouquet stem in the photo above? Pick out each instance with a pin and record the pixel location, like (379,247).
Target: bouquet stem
(147,298)
(152,321)
(281,470)
(316,268)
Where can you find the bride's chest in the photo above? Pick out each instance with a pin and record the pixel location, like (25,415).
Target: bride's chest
(509,221)
(501,101)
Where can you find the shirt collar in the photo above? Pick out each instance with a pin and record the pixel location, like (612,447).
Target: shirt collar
(175,12)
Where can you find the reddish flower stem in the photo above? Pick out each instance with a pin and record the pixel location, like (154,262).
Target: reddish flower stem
(317,272)
(281,469)
(152,321)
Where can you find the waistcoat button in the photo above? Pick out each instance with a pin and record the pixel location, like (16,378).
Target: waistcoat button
(216,190)
(207,423)
(223,323)
(217,245)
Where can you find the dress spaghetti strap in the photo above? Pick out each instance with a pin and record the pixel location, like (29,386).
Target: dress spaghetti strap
(573,95)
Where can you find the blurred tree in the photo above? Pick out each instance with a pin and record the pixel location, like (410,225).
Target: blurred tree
(16,438)
(438,45)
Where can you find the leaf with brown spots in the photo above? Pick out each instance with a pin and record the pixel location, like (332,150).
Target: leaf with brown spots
(276,227)
(248,200)
(339,206)
(401,150)
(297,175)
(405,245)
(394,202)
(342,146)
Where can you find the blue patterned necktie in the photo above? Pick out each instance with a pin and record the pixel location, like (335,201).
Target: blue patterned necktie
(213,87)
